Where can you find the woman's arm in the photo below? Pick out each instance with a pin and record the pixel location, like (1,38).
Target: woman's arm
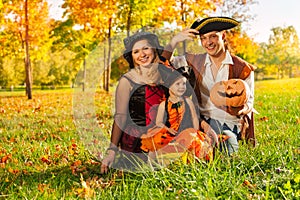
(121,105)
(160,115)
(121,109)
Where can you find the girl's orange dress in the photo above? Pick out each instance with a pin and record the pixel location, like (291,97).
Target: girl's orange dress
(187,139)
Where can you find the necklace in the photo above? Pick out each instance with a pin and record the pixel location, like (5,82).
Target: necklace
(149,74)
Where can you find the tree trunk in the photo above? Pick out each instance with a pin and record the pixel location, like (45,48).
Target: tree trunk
(183,18)
(129,20)
(290,71)
(84,75)
(28,70)
(104,71)
(108,56)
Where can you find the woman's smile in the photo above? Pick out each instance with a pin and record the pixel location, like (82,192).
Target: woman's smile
(142,53)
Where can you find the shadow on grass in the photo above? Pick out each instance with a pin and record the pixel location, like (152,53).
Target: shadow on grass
(54,182)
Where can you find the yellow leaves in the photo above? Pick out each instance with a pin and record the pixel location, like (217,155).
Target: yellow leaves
(42,187)
(36,109)
(90,185)
(13,171)
(54,136)
(45,159)
(85,191)
(73,150)
(5,158)
(57,147)
(297,178)
(38,137)
(248,184)
(297,121)
(2,110)
(264,118)
(28,163)
(77,168)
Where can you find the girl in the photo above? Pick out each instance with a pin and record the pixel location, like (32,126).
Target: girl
(177,123)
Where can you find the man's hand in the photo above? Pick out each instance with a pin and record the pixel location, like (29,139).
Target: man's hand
(245,110)
(187,34)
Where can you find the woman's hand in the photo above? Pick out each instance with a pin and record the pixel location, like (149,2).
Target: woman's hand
(107,161)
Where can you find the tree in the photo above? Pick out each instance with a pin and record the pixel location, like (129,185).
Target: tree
(184,12)
(283,50)
(237,9)
(262,61)
(26,23)
(242,45)
(28,77)
(96,19)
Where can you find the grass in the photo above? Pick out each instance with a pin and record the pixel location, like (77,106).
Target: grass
(50,146)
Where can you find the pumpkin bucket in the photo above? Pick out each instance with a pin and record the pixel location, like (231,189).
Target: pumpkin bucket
(230,95)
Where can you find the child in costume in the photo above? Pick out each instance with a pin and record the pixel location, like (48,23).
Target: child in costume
(177,124)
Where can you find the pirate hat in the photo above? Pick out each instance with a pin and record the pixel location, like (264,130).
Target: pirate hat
(214,24)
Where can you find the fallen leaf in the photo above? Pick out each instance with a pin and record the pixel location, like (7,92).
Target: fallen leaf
(85,191)
(222,137)
(264,119)
(77,163)
(6,158)
(13,171)
(248,184)
(42,187)
(46,160)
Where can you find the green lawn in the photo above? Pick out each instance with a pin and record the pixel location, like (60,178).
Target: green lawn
(43,155)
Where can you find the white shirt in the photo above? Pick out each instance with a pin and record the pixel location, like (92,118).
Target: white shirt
(207,108)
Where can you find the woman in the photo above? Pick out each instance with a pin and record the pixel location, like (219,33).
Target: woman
(137,93)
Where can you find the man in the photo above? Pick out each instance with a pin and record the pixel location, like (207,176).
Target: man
(217,64)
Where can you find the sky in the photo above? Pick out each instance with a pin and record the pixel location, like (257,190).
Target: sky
(273,13)
(269,14)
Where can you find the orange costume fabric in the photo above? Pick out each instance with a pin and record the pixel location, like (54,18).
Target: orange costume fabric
(189,140)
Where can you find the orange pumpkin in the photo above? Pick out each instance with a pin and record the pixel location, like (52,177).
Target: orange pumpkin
(230,95)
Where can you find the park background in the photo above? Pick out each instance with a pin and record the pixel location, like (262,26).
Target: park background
(57,77)
(55,47)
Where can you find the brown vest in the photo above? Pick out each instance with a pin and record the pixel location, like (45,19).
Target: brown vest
(240,69)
